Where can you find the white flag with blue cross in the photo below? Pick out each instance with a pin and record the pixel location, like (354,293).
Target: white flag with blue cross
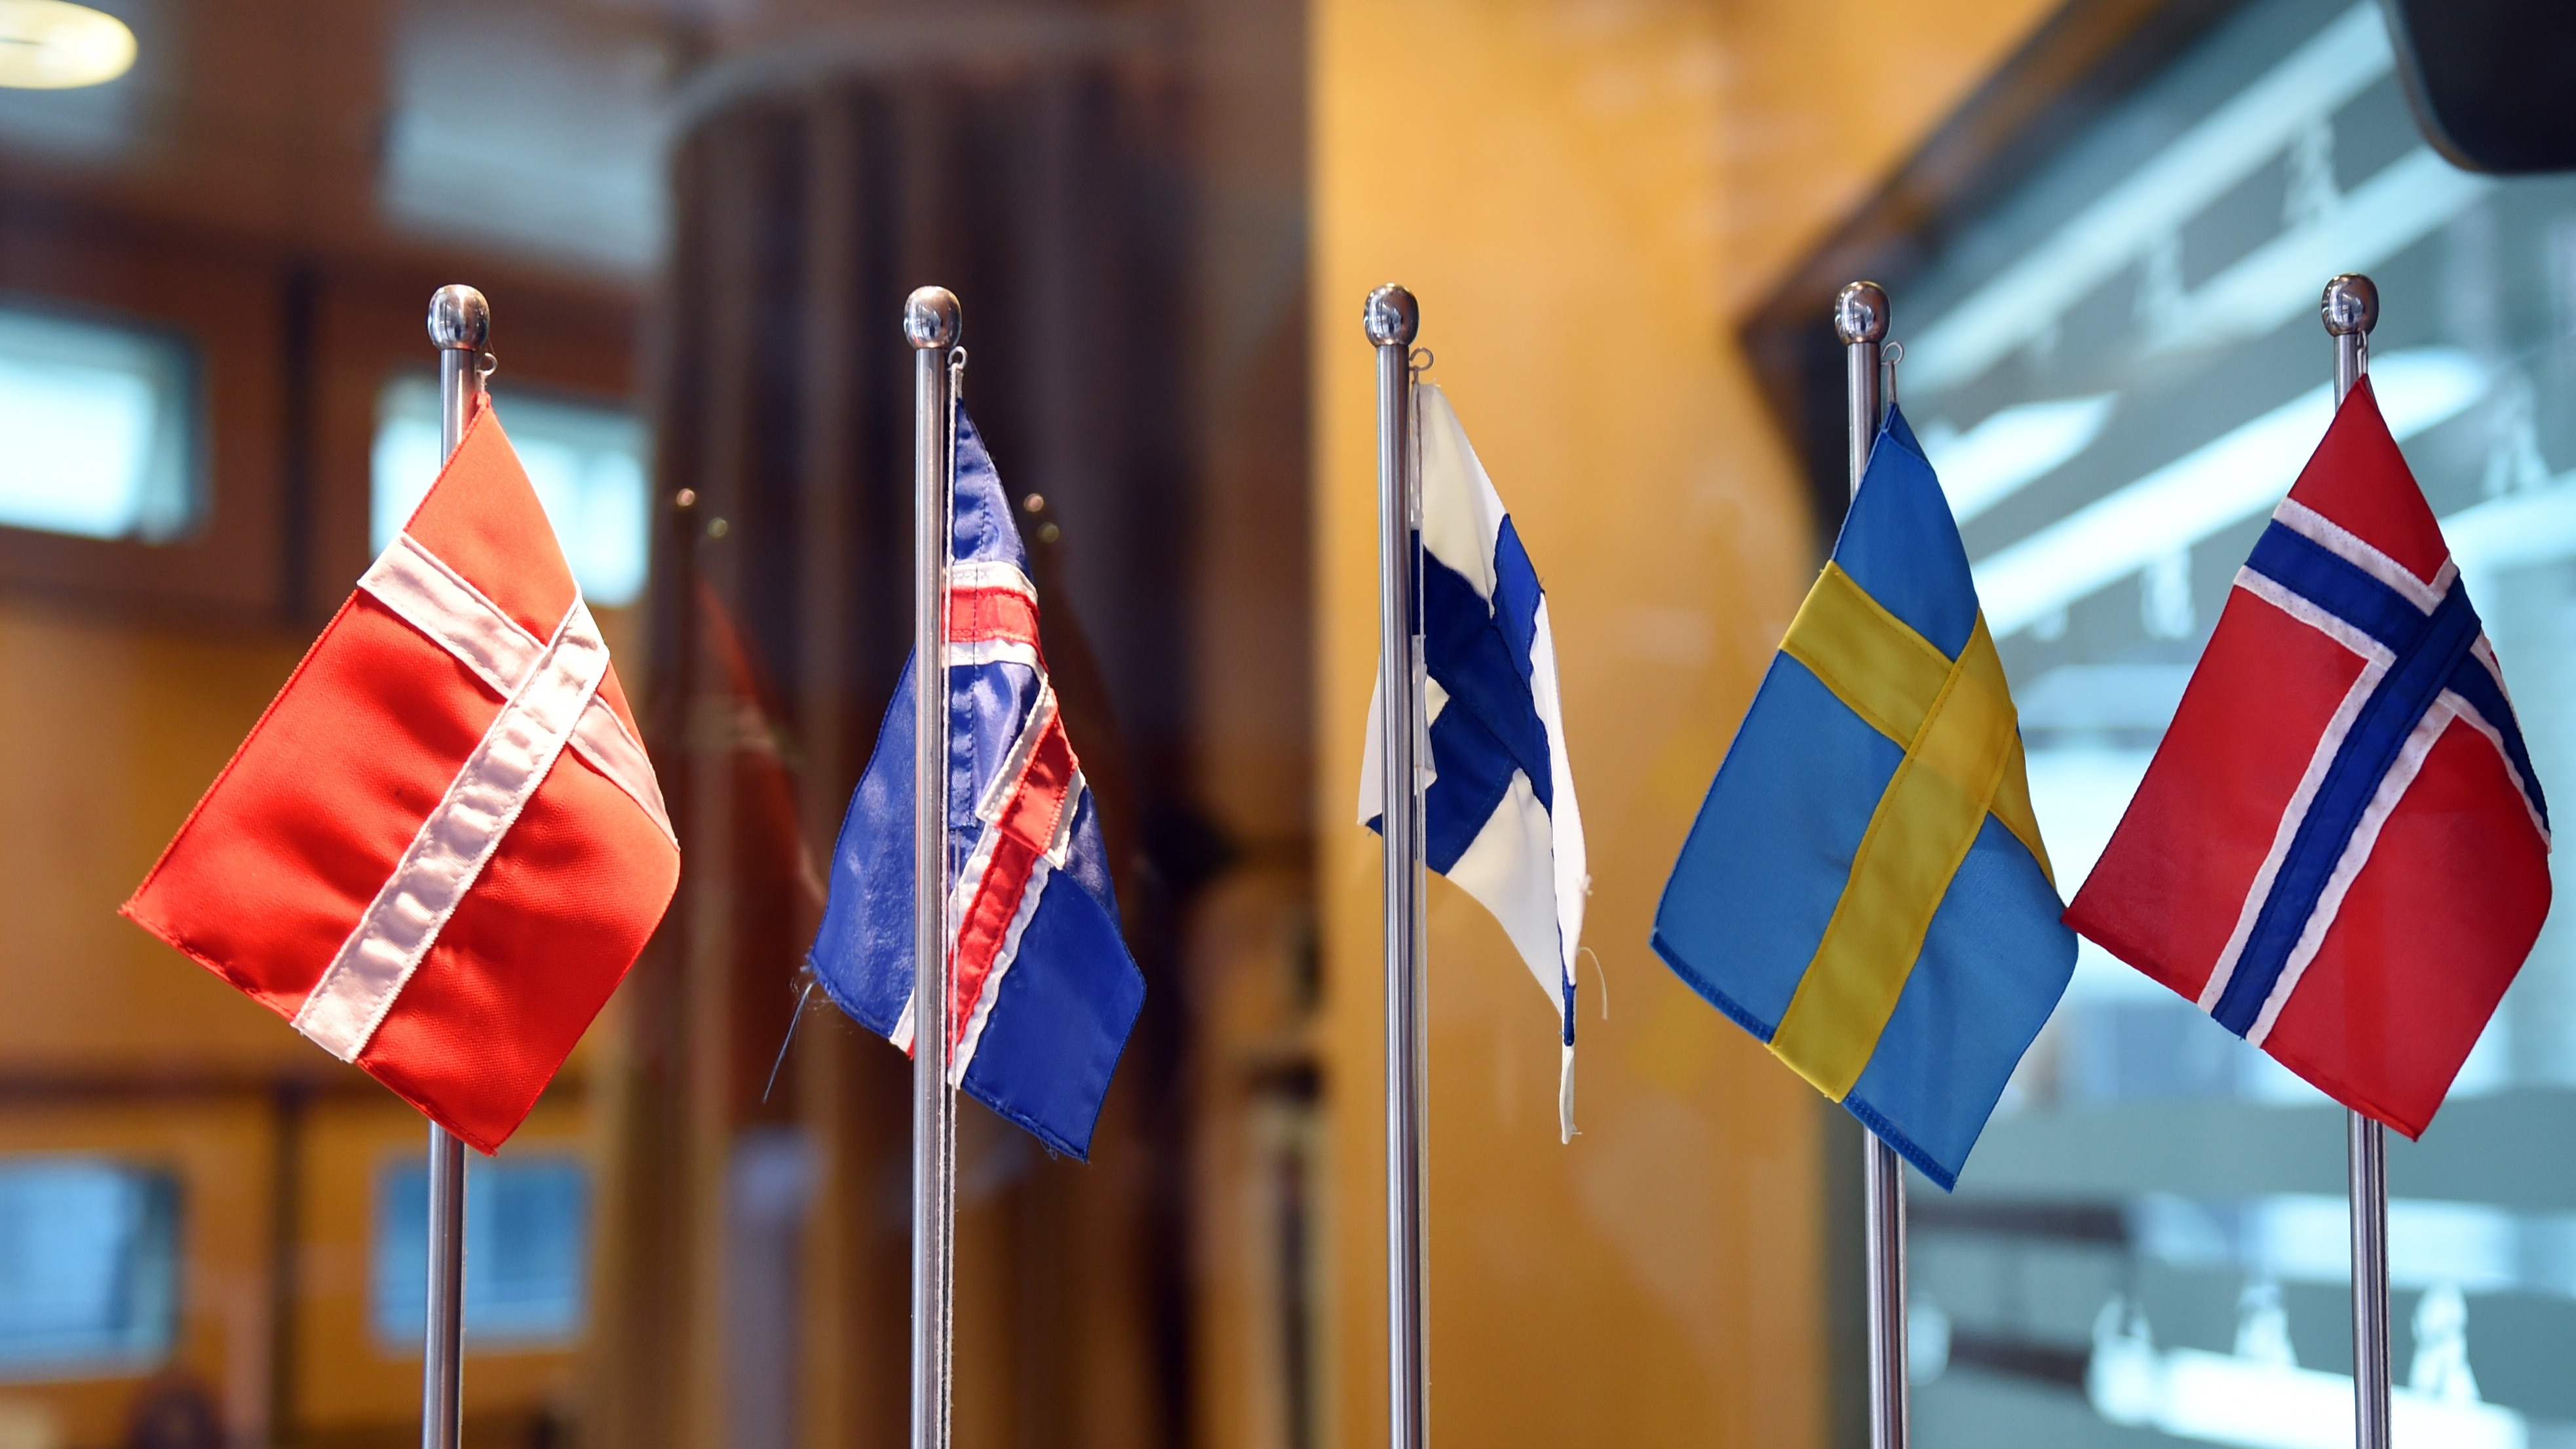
(1499,814)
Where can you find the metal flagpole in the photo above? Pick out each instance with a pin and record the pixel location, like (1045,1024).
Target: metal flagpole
(2351,308)
(1860,320)
(1391,320)
(460,323)
(931,324)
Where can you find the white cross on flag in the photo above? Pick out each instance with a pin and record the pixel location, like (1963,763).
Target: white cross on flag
(443,845)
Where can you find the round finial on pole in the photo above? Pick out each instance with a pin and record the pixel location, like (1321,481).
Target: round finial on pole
(459,319)
(2351,304)
(931,317)
(1860,313)
(1391,318)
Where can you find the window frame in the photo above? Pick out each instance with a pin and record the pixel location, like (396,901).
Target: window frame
(231,312)
(572,342)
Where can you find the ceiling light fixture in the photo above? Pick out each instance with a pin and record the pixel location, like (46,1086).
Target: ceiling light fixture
(52,45)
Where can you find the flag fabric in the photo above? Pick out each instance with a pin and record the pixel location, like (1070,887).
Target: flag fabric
(1499,814)
(1865,888)
(1043,991)
(443,845)
(2339,850)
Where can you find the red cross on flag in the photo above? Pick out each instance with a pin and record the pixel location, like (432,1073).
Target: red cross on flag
(443,845)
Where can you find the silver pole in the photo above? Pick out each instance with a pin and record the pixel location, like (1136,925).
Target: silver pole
(1391,320)
(931,324)
(2351,308)
(460,323)
(1860,320)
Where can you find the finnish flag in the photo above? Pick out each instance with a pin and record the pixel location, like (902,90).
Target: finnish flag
(1500,818)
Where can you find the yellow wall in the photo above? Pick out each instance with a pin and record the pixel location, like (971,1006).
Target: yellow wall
(1584,194)
(113,732)
(1825,98)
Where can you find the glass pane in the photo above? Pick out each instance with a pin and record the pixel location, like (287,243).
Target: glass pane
(2119,369)
(99,421)
(586,463)
(88,1267)
(527,1251)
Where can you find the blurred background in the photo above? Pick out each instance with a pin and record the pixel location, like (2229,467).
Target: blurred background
(2104,224)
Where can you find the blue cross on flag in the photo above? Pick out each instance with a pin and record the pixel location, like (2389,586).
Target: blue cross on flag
(1500,818)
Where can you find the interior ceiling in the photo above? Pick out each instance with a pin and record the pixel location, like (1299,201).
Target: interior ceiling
(528,130)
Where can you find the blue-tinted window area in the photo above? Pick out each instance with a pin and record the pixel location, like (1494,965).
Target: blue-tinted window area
(2118,368)
(527,1252)
(89,1267)
(587,464)
(101,428)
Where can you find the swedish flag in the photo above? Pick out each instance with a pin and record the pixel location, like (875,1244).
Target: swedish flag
(1865,888)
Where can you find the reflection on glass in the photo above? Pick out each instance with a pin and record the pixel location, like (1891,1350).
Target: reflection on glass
(88,1267)
(586,463)
(1983,465)
(2122,365)
(99,420)
(527,1250)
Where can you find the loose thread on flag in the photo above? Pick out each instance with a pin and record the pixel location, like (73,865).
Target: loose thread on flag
(794,1021)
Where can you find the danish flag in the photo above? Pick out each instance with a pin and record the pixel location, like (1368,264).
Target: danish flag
(443,845)
(2340,850)
(1043,992)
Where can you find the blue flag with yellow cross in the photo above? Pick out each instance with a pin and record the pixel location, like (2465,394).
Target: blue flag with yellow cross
(1865,889)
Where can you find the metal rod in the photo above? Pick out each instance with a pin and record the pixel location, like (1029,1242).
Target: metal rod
(1391,321)
(931,324)
(2350,309)
(1860,320)
(460,323)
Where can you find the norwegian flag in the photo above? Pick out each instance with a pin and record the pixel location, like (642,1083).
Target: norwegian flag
(2340,850)
(443,845)
(1043,992)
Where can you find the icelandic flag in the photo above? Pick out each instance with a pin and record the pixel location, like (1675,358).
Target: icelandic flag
(1499,814)
(1865,889)
(1043,990)
(2339,850)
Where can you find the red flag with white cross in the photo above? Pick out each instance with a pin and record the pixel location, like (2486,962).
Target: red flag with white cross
(443,845)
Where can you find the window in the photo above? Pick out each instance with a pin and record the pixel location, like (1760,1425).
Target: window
(586,462)
(527,1248)
(88,1267)
(101,422)
(2117,365)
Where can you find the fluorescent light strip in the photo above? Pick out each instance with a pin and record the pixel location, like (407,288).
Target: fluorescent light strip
(2537,525)
(2232,477)
(2408,200)
(2026,299)
(2218,1398)
(2013,447)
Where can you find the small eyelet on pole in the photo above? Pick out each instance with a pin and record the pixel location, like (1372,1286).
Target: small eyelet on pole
(1418,362)
(486,364)
(1890,355)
